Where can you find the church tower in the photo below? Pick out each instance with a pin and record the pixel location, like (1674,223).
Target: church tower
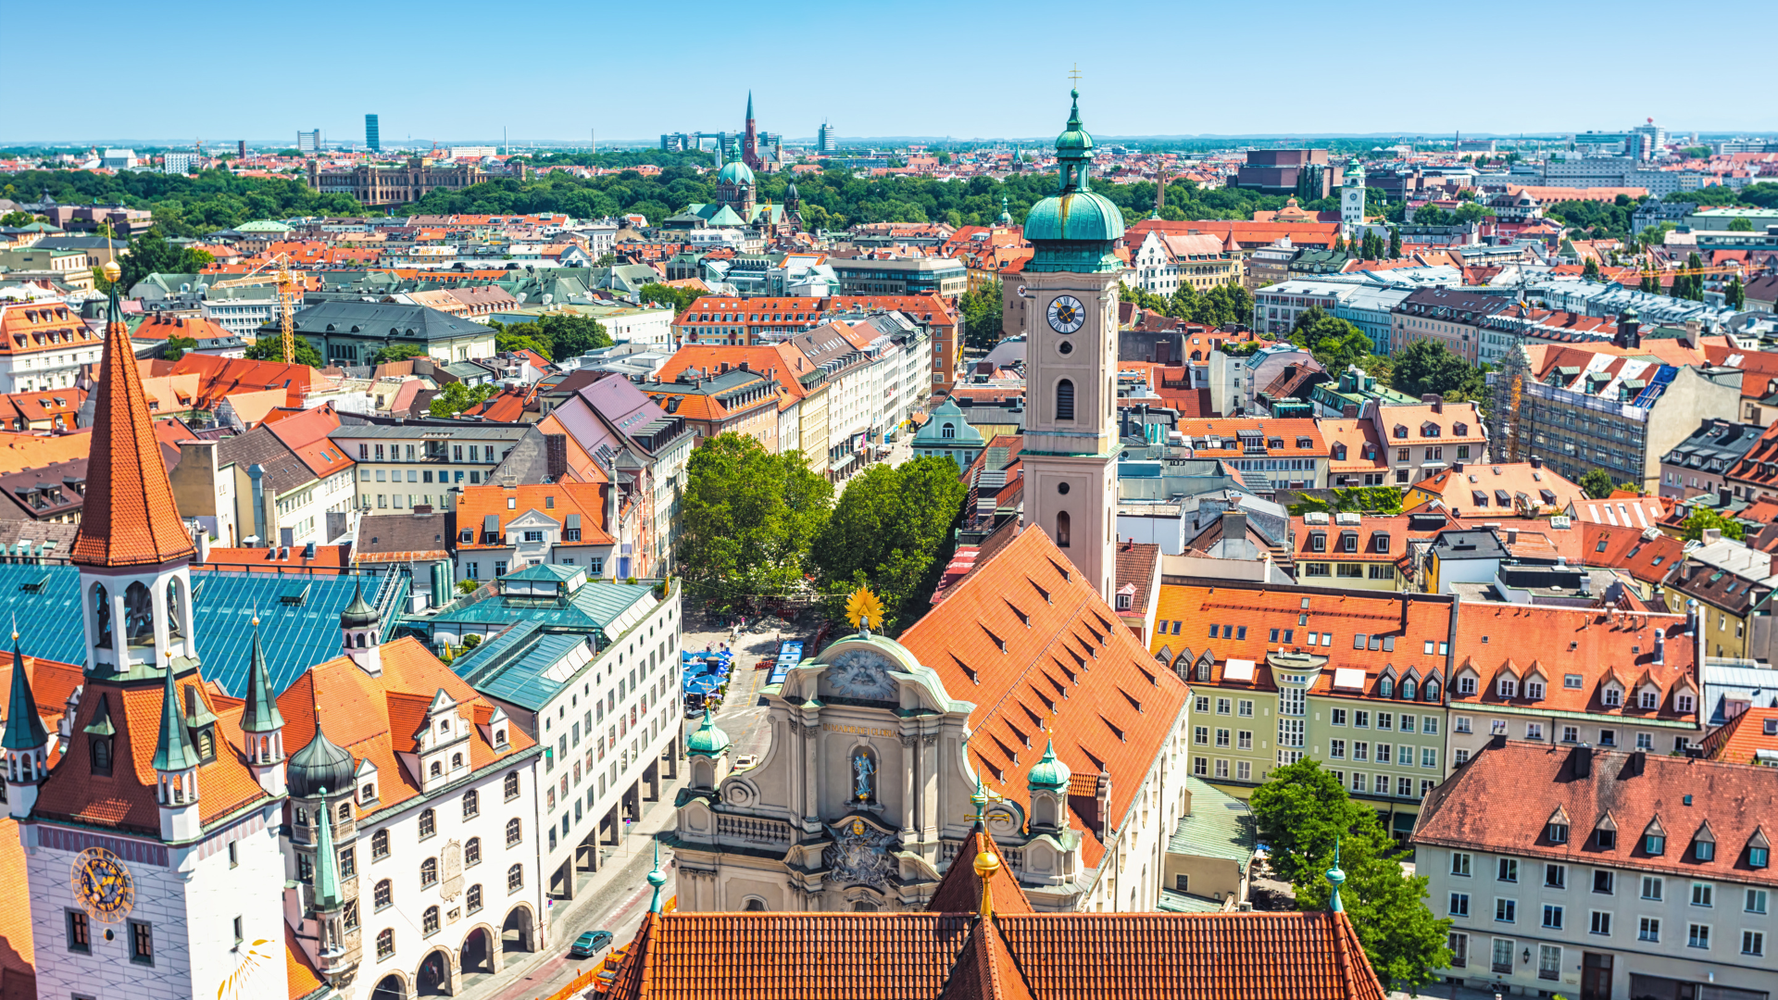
(1071,440)
(750,139)
(151,849)
(1352,201)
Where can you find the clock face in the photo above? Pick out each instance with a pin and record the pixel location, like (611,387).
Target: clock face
(103,885)
(1066,314)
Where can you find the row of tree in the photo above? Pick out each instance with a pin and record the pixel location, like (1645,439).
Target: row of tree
(759,526)
(1220,305)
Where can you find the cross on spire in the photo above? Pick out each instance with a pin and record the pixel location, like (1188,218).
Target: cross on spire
(1074,74)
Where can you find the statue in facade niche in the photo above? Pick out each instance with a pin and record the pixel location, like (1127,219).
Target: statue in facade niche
(862,769)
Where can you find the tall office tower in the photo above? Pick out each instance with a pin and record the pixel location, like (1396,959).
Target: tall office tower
(241,149)
(372,140)
(825,141)
(308,142)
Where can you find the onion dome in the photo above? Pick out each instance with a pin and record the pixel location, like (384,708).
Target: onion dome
(322,764)
(735,172)
(1074,228)
(790,192)
(708,741)
(359,614)
(1049,774)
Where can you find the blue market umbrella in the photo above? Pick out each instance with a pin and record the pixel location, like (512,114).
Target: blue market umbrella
(701,685)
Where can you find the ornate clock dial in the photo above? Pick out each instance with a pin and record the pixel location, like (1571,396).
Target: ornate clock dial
(103,886)
(1066,314)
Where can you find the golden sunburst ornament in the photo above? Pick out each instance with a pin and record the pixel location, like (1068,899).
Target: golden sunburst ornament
(863,609)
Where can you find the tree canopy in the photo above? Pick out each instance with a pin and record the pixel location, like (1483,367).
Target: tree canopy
(1301,814)
(184,205)
(270,347)
(886,532)
(1703,518)
(1333,341)
(456,397)
(749,519)
(556,335)
(1428,367)
(397,352)
(982,319)
(150,253)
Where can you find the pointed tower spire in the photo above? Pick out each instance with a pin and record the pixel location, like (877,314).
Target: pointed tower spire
(1336,878)
(657,879)
(173,750)
(327,879)
(24,729)
(128,516)
(750,105)
(260,715)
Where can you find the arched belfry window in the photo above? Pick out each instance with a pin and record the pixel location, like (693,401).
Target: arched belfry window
(173,605)
(138,609)
(1065,400)
(102,616)
(1062,529)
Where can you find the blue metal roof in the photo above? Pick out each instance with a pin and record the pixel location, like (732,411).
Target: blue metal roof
(299,618)
(511,665)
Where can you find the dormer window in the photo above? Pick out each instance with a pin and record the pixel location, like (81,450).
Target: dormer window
(1685,703)
(1614,696)
(1557,832)
(101,755)
(1534,690)
(1703,850)
(1649,699)
(1386,687)
(1508,688)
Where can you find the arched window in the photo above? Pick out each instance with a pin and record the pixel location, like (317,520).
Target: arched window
(173,605)
(345,811)
(456,761)
(1062,529)
(755,905)
(102,616)
(428,823)
(429,921)
(1065,400)
(102,755)
(359,642)
(1431,690)
(138,609)
(428,872)
(379,844)
(515,878)
(384,894)
(515,831)
(436,769)
(949,430)
(385,943)
(1204,670)
(472,804)
(474,901)
(472,852)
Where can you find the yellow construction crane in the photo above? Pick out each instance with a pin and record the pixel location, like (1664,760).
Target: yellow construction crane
(287,293)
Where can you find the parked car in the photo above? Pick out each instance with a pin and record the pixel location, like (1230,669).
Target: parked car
(746,761)
(589,944)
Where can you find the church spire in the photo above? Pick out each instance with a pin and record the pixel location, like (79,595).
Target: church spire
(173,750)
(260,715)
(128,516)
(749,105)
(327,880)
(656,878)
(24,729)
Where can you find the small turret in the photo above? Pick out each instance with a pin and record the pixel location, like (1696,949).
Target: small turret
(176,770)
(26,742)
(1048,784)
(1336,878)
(262,725)
(657,879)
(705,749)
(361,633)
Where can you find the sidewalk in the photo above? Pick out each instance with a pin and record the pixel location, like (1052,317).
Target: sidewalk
(1442,991)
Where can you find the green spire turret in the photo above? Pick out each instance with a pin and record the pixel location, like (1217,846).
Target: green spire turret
(24,730)
(173,751)
(261,712)
(327,879)
(657,879)
(1049,774)
(1336,878)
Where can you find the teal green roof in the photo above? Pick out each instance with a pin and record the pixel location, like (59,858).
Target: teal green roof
(1217,826)
(707,741)
(1074,229)
(515,665)
(735,172)
(931,433)
(1048,774)
(545,572)
(327,879)
(173,751)
(24,730)
(260,715)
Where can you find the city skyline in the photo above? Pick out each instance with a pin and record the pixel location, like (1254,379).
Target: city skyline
(564,98)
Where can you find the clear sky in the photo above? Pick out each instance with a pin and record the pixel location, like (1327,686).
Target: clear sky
(551,69)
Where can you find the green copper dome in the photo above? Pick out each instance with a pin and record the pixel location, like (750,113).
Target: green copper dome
(1073,230)
(708,741)
(735,172)
(1049,774)
(360,613)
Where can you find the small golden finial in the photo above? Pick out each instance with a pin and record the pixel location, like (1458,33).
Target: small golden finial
(256,616)
(986,864)
(15,626)
(111,271)
(863,608)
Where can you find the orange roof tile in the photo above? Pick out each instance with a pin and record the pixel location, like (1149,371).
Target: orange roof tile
(1581,643)
(18,957)
(129,517)
(1736,742)
(555,500)
(1027,638)
(300,976)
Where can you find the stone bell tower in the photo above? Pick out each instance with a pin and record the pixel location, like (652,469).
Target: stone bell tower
(1071,440)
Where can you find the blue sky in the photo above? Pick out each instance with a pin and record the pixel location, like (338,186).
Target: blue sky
(550,69)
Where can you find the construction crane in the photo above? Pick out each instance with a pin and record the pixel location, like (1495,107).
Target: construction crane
(287,292)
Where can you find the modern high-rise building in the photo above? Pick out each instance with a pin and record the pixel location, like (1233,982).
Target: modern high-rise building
(372,140)
(308,142)
(825,140)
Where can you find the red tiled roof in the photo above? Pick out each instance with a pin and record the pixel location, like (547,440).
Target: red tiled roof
(300,975)
(1059,956)
(18,957)
(555,501)
(1027,638)
(1501,802)
(129,517)
(1493,640)
(960,890)
(1744,734)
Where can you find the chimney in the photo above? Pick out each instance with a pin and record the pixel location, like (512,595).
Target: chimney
(1582,756)
(1234,524)
(1660,646)
(1349,411)
(1537,461)
(1456,466)
(555,447)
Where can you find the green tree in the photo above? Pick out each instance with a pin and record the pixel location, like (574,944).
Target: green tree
(1598,484)
(677,299)
(1696,152)
(1333,341)
(1591,271)
(150,253)
(749,519)
(887,531)
(1302,813)
(397,352)
(1740,225)
(570,335)
(519,342)
(1736,293)
(270,347)
(1394,242)
(1427,367)
(456,397)
(982,315)
(15,219)
(1703,518)
(177,346)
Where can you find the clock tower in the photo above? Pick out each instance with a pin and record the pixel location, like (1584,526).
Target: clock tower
(1071,441)
(1352,201)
